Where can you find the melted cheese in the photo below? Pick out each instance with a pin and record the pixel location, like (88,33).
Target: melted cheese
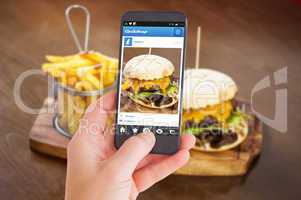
(220,111)
(136,84)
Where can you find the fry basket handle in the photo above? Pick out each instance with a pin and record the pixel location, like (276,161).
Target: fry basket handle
(71,28)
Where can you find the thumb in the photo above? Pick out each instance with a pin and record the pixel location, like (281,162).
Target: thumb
(133,151)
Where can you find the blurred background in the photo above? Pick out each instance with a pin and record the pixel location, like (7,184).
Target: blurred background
(248,40)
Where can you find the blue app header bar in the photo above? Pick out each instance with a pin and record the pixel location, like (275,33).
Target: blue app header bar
(149,31)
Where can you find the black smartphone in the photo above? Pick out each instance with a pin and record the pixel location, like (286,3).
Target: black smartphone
(150,81)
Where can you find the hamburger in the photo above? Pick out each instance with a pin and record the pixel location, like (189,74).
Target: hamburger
(209,111)
(149,81)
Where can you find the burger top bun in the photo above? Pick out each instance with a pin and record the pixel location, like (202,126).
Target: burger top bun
(206,87)
(148,67)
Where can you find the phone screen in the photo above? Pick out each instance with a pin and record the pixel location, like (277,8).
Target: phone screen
(150,78)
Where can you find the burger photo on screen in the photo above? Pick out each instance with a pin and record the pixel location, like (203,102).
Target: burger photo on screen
(209,111)
(149,80)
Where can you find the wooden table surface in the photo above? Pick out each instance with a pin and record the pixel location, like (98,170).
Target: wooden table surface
(247,39)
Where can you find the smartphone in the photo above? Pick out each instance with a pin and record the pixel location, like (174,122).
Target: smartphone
(150,80)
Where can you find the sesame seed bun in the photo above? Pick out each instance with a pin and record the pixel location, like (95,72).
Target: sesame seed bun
(206,87)
(148,67)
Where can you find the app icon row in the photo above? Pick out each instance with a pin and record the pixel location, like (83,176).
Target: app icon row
(140,129)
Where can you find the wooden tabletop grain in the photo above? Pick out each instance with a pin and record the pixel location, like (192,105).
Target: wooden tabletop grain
(249,40)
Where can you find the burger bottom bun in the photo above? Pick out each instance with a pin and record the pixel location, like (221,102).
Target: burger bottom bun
(242,132)
(174,101)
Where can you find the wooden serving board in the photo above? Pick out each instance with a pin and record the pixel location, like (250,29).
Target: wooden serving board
(45,139)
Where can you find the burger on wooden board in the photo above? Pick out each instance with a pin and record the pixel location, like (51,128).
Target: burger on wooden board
(209,112)
(149,81)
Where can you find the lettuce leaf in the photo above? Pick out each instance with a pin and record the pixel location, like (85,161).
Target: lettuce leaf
(236,117)
(172,90)
(144,94)
(198,130)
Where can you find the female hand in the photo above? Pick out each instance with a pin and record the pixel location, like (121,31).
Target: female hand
(96,170)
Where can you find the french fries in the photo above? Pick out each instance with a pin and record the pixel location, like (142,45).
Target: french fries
(98,69)
(81,72)
(57,59)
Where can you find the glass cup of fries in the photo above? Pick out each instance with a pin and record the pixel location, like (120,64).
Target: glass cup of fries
(79,81)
